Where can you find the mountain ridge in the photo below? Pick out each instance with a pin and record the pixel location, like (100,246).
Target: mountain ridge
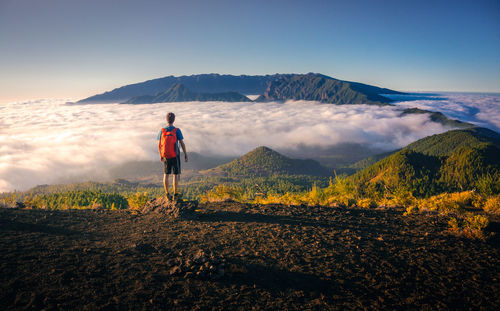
(212,82)
(437,117)
(180,93)
(255,85)
(325,89)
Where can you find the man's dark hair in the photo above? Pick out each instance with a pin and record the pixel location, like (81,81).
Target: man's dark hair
(170,117)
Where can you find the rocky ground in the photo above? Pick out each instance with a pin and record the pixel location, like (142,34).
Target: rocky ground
(238,256)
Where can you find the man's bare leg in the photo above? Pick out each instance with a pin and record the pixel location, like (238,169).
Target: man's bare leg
(165,183)
(176,183)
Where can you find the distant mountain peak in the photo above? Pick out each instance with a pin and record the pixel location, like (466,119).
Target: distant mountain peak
(262,151)
(264,161)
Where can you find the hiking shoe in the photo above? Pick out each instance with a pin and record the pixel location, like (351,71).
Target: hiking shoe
(177,197)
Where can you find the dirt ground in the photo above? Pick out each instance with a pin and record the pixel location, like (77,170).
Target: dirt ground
(237,256)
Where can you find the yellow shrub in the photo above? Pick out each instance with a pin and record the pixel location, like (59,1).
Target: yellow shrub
(341,200)
(465,198)
(477,222)
(478,201)
(446,203)
(454,224)
(401,199)
(137,200)
(8,201)
(223,193)
(412,209)
(286,199)
(471,225)
(367,203)
(314,197)
(492,205)
(269,199)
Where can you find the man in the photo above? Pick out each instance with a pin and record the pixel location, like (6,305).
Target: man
(168,147)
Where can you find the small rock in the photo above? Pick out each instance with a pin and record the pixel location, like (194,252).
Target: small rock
(175,270)
(20,205)
(200,257)
(220,272)
(144,248)
(203,264)
(171,262)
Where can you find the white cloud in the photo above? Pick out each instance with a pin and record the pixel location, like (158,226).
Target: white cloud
(46,141)
(479,109)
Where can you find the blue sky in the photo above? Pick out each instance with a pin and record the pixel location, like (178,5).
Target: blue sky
(65,48)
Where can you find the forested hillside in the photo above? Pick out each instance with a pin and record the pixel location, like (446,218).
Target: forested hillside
(447,143)
(263,161)
(457,160)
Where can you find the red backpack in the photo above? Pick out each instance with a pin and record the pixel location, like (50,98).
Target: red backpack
(167,143)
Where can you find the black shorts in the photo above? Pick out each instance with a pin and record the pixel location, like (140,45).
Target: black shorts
(172,164)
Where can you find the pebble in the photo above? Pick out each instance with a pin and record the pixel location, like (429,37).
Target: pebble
(202,264)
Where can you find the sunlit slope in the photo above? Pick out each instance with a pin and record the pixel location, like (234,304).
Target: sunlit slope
(322,88)
(453,161)
(441,144)
(263,162)
(446,144)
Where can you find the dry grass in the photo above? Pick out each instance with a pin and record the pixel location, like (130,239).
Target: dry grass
(492,205)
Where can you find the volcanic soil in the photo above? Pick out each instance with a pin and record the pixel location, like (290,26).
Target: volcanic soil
(241,256)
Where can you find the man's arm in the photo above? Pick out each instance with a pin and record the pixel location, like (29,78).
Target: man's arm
(184,150)
(162,159)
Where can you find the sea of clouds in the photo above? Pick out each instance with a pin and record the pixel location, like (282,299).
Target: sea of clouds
(49,141)
(479,109)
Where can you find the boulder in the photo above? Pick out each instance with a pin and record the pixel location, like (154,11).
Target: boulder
(166,207)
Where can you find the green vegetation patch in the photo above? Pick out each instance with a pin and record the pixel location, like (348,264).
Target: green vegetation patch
(449,142)
(77,199)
